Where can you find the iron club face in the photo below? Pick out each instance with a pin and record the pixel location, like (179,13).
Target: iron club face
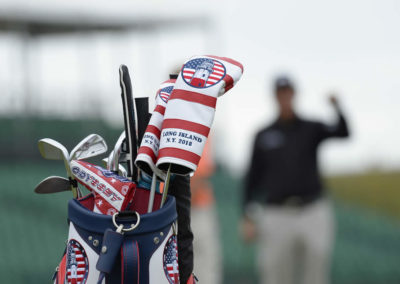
(52,150)
(90,146)
(53,184)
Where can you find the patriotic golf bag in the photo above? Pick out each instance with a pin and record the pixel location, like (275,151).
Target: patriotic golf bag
(97,253)
(125,230)
(106,245)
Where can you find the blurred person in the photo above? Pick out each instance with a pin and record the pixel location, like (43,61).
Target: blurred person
(285,207)
(206,245)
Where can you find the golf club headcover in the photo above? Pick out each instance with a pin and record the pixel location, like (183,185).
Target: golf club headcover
(112,192)
(191,108)
(148,151)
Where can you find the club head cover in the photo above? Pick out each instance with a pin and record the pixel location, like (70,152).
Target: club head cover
(112,193)
(148,151)
(190,110)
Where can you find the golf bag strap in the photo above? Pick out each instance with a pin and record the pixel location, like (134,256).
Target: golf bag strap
(130,262)
(112,242)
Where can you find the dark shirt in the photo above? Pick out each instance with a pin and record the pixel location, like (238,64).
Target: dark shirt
(284,160)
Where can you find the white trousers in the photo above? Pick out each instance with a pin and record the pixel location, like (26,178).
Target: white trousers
(296,244)
(206,245)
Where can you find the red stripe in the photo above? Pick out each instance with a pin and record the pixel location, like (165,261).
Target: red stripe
(81,265)
(152,129)
(180,154)
(234,62)
(228,82)
(186,125)
(194,97)
(148,151)
(160,109)
(215,77)
(217,68)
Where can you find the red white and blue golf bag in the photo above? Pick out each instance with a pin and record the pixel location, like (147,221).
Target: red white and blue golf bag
(127,247)
(124,231)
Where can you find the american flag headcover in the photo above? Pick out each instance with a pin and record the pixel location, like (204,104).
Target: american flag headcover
(148,151)
(191,108)
(112,192)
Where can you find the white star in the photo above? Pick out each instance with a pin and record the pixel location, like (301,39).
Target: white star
(100,203)
(113,180)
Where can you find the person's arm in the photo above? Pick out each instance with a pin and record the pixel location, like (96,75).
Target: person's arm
(339,129)
(252,178)
(247,226)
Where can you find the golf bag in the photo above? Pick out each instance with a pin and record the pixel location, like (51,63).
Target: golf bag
(124,233)
(128,247)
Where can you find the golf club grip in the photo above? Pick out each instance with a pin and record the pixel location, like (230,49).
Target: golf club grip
(143,117)
(129,119)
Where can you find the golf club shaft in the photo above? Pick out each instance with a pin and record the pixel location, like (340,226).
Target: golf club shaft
(129,119)
(152,193)
(166,185)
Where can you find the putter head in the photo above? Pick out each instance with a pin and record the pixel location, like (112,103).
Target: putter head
(52,150)
(53,184)
(90,146)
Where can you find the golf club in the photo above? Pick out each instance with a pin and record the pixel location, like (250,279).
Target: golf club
(114,162)
(90,146)
(166,185)
(52,150)
(152,192)
(121,170)
(128,105)
(53,184)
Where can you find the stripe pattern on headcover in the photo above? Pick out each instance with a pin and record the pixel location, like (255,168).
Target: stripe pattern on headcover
(191,108)
(148,151)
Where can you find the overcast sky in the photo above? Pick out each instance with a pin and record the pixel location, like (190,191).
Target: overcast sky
(350,48)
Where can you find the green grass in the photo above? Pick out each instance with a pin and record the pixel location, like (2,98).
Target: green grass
(378,191)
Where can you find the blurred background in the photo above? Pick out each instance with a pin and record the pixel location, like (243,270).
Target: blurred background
(59,79)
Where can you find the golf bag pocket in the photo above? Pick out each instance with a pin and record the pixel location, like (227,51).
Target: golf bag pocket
(127,247)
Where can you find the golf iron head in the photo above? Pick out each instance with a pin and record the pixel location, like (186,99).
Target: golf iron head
(91,146)
(52,150)
(53,184)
